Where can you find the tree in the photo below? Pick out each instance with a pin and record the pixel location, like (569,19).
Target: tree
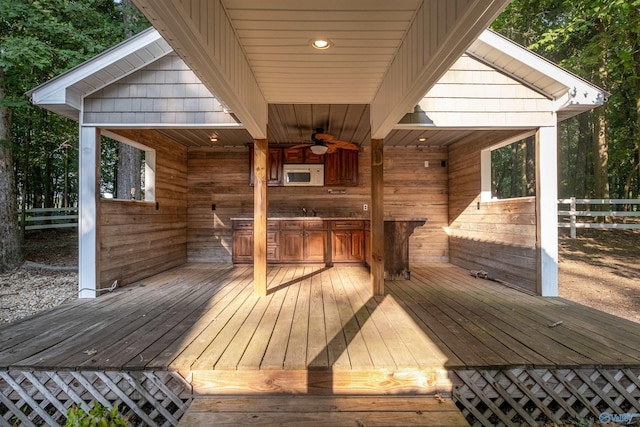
(600,41)
(10,255)
(39,40)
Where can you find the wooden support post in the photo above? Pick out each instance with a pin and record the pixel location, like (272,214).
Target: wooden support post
(88,213)
(377,217)
(547,211)
(260,151)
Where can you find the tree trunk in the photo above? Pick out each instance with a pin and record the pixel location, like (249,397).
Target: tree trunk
(129,158)
(10,244)
(530,150)
(600,156)
(128,180)
(584,132)
(513,168)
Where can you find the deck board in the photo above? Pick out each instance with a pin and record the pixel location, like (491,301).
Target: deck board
(205,317)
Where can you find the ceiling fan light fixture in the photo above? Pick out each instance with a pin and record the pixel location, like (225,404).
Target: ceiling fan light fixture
(319,149)
(321,44)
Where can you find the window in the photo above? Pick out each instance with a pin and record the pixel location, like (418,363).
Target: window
(509,170)
(141,186)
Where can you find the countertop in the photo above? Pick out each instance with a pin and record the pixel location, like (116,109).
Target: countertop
(329,218)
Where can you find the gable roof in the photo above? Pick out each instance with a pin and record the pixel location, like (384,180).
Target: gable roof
(64,93)
(570,95)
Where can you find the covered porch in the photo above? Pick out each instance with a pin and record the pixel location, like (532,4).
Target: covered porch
(197,330)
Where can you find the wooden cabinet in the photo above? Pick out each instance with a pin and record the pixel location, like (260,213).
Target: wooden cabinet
(287,241)
(242,244)
(348,241)
(341,168)
(291,239)
(274,166)
(301,155)
(294,155)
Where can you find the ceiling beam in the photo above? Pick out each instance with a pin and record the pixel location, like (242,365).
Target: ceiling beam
(201,33)
(440,33)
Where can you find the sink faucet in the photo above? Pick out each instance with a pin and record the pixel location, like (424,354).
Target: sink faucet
(304,211)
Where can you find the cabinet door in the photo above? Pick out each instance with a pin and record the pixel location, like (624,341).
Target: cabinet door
(291,244)
(341,168)
(357,245)
(349,167)
(332,168)
(242,246)
(274,167)
(341,245)
(315,245)
(294,155)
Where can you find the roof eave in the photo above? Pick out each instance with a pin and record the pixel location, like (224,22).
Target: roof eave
(577,91)
(59,94)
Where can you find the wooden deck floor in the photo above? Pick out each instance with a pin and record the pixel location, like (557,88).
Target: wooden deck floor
(204,318)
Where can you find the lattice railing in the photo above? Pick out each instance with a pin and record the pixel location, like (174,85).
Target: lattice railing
(529,397)
(33,398)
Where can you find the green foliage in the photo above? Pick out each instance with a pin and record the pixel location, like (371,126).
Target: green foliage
(39,40)
(598,40)
(98,416)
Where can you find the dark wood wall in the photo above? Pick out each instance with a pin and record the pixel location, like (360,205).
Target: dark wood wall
(220,177)
(137,238)
(498,237)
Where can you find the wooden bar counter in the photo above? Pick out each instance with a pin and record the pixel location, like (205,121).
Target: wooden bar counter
(327,240)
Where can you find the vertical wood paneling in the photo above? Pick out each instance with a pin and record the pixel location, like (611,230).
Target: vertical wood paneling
(498,237)
(221,176)
(454,26)
(139,239)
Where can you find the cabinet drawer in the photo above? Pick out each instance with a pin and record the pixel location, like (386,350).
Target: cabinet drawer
(243,225)
(272,237)
(348,225)
(315,225)
(273,253)
(291,225)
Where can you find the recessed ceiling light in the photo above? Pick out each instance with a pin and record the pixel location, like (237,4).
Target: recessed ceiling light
(213,137)
(422,139)
(321,44)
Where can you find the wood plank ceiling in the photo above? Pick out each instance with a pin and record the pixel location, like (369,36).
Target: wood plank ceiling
(307,88)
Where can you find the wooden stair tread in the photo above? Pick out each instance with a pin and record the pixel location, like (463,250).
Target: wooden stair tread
(293,410)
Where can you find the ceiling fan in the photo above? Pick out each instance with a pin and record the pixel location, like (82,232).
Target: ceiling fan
(322,143)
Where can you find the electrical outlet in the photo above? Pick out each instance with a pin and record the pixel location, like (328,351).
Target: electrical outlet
(426,163)
(365,207)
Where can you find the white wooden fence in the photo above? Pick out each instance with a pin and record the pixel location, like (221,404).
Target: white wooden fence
(569,218)
(42,218)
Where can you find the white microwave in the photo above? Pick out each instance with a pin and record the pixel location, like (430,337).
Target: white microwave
(303,175)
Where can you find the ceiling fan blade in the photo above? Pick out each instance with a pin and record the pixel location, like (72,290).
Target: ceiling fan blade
(307,144)
(332,148)
(323,137)
(345,145)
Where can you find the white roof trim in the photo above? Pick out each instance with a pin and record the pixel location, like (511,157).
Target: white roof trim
(59,94)
(578,90)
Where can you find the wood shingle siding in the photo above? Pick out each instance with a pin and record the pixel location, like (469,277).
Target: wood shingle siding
(165,92)
(498,236)
(474,94)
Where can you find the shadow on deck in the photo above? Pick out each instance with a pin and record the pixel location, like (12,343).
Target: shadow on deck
(197,330)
